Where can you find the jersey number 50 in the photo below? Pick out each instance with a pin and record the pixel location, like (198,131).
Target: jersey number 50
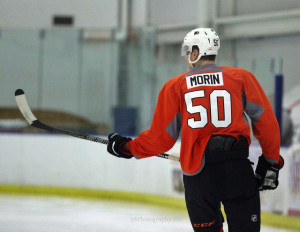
(214,111)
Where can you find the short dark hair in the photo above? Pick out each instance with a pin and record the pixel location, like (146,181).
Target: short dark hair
(209,57)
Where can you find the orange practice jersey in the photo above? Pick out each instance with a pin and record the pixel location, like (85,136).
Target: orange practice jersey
(205,101)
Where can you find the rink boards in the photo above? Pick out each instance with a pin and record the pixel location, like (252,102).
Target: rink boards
(54,160)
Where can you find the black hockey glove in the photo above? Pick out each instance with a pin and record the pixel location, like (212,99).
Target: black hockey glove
(266,174)
(115,146)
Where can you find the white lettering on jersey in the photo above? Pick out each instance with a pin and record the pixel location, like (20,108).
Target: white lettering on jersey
(205,79)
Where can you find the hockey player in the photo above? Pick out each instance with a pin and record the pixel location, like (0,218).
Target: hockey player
(208,105)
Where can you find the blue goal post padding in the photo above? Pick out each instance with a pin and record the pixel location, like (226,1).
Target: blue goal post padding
(278,97)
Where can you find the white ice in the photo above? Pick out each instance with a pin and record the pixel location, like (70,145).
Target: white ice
(53,214)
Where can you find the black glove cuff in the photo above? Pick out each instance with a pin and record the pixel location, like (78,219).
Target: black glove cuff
(262,166)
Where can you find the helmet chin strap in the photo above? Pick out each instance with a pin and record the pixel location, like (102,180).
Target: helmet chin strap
(195,61)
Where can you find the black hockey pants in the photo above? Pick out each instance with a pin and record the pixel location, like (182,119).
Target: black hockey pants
(226,178)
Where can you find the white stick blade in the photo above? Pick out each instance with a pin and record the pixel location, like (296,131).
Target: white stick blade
(23,106)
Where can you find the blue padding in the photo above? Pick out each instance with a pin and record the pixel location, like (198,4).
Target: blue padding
(278,97)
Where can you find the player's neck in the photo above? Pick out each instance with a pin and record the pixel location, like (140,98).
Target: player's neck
(204,62)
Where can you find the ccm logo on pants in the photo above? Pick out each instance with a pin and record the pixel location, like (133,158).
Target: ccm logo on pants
(205,224)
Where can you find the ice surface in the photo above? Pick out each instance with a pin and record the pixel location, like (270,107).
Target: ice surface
(52,214)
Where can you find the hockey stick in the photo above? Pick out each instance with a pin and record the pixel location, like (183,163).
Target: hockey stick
(33,121)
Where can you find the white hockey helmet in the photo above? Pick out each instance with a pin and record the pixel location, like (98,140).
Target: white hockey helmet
(206,39)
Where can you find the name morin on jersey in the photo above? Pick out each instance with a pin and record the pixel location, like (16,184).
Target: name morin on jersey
(206,79)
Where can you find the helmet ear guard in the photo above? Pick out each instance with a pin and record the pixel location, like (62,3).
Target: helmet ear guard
(197,59)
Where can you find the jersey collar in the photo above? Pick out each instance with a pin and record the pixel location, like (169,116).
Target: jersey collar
(206,66)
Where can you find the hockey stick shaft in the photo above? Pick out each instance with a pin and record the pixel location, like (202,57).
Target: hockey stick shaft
(33,121)
(43,126)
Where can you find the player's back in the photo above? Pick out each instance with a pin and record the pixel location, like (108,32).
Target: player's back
(208,100)
(212,102)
